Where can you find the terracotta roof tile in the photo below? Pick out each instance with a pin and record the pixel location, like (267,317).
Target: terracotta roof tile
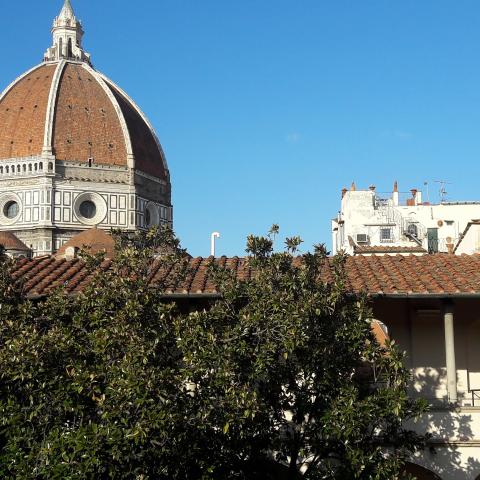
(23,111)
(391,249)
(86,122)
(10,242)
(97,240)
(376,275)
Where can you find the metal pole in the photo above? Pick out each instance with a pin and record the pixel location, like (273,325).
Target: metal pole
(213,237)
(450,352)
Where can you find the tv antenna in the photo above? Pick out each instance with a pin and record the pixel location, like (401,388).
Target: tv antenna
(442,190)
(425,184)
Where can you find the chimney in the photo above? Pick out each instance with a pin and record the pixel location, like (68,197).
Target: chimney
(414,195)
(344,191)
(71,253)
(395,197)
(353,188)
(372,188)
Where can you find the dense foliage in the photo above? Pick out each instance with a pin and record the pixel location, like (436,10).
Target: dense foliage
(280,378)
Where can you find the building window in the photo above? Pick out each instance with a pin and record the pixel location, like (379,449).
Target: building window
(151,215)
(11,209)
(386,235)
(88,209)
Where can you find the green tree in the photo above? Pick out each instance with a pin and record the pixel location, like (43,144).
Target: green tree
(88,383)
(287,379)
(281,376)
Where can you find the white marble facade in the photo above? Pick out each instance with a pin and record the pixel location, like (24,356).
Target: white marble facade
(45,210)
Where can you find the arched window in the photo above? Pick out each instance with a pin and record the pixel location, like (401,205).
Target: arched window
(19,168)
(24,167)
(7,169)
(1,170)
(36,167)
(420,473)
(60,47)
(69,48)
(50,166)
(29,167)
(40,166)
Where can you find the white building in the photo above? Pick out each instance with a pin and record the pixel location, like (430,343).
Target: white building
(368,223)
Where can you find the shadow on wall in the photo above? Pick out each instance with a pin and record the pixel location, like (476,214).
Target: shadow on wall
(429,383)
(446,424)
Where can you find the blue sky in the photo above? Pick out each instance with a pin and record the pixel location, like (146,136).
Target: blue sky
(267,108)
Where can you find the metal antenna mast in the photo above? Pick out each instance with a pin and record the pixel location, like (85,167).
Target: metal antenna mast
(425,183)
(442,191)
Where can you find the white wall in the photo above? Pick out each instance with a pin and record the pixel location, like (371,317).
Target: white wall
(417,328)
(362,212)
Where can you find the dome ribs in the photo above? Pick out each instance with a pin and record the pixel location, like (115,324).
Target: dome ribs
(148,157)
(23,112)
(86,123)
(68,109)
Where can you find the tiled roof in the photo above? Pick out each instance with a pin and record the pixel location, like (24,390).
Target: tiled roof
(441,274)
(10,242)
(391,249)
(90,119)
(95,239)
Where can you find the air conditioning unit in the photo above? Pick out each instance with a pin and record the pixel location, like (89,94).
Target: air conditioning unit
(412,230)
(362,238)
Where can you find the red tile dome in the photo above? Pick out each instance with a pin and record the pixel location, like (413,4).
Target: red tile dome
(67,108)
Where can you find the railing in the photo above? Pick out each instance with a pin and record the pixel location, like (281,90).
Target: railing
(404,226)
(475,396)
(25,167)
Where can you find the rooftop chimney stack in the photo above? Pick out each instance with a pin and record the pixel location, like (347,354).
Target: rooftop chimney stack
(414,195)
(395,196)
(418,198)
(344,191)
(353,188)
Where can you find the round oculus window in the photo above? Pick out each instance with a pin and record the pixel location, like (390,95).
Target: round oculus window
(88,209)
(11,209)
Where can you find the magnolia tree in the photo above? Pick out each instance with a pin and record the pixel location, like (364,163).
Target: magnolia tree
(279,378)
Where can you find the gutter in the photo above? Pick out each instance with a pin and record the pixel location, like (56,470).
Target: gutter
(425,296)
(398,296)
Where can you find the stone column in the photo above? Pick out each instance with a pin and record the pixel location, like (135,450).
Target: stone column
(450,352)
